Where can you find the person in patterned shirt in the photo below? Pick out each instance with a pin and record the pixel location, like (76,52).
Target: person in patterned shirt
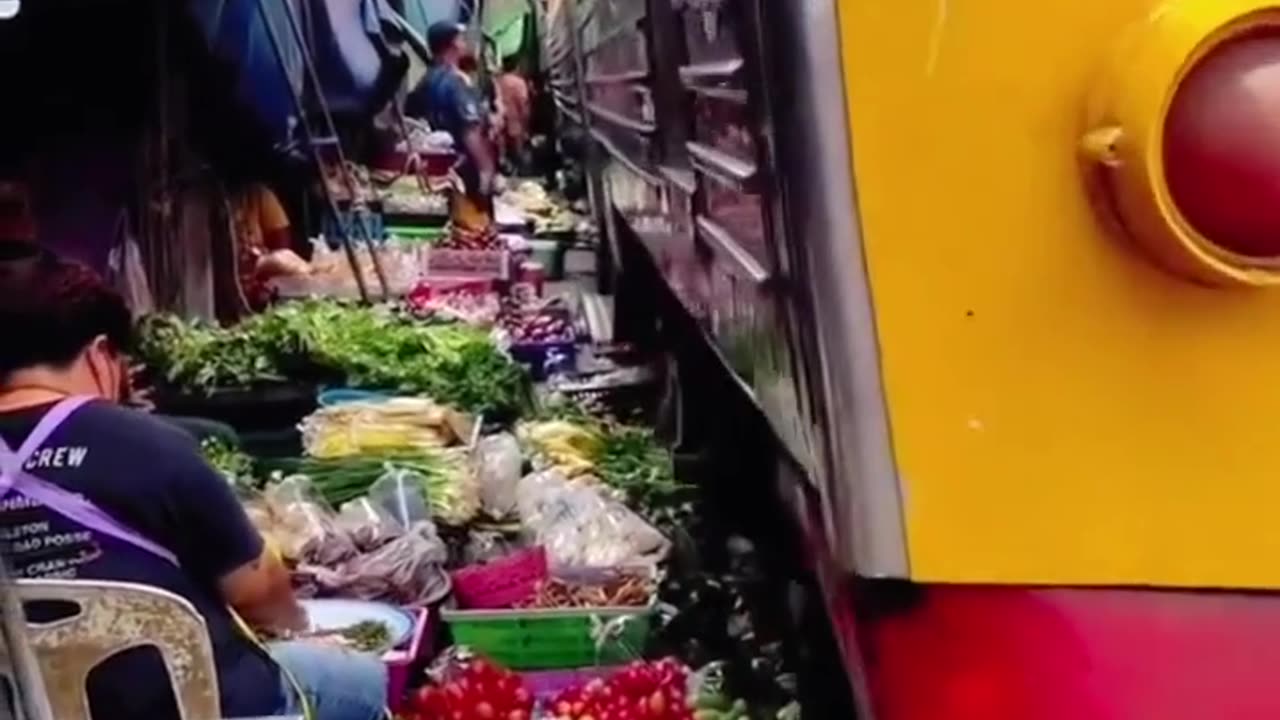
(264,237)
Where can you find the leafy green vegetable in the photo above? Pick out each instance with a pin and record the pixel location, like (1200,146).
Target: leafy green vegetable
(204,358)
(372,347)
(228,460)
(368,636)
(634,462)
(631,460)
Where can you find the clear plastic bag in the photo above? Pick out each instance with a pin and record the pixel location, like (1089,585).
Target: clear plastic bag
(305,527)
(498,463)
(401,495)
(408,570)
(368,526)
(485,546)
(582,527)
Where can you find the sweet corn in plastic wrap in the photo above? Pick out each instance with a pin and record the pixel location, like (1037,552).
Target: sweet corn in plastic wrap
(396,424)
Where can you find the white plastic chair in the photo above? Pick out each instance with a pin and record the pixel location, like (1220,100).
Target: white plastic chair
(113,617)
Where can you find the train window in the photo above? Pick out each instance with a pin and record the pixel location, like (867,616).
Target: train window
(741,214)
(643,203)
(617,13)
(628,147)
(681,263)
(625,104)
(709,30)
(724,152)
(741,304)
(621,54)
(724,124)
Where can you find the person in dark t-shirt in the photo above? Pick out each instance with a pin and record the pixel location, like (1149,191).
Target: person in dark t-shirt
(447,100)
(160,516)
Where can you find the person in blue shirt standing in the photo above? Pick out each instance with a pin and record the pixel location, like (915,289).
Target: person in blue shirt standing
(448,101)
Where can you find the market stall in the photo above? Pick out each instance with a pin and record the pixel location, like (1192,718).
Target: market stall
(463,475)
(468,494)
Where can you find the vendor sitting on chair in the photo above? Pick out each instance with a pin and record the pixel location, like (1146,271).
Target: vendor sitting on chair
(449,102)
(95,491)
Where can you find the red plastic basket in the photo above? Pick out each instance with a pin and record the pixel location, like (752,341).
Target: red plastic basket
(502,583)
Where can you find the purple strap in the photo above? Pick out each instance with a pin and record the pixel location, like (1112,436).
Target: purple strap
(11,462)
(57,499)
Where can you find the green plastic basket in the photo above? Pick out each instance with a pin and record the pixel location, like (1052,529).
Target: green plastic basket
(553,639)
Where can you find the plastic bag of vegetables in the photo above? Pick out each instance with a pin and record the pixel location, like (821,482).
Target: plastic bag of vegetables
(498,462)
(446,476)
(401,496)
(367,526)
(581,527)
(409,571)
(302,526)
(396,424)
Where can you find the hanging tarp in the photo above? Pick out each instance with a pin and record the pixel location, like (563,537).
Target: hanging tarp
(499,14)
(510,40)
(240,34)
(358,65)
(504,23)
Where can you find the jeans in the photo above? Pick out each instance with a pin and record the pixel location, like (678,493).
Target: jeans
(339,684)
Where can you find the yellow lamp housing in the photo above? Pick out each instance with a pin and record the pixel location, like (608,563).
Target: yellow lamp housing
(1127,120)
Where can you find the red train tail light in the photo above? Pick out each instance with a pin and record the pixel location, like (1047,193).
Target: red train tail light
(1185,129)
(1222,146)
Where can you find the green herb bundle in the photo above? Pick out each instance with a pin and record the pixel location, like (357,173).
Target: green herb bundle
(371,347)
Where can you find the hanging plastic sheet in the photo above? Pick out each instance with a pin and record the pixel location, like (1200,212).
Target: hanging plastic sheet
(358,65)
(504,23)
(240,34)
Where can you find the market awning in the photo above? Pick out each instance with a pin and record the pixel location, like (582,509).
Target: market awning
(357,65)
(240,34)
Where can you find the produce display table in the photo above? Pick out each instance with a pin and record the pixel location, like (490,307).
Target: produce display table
(429,441)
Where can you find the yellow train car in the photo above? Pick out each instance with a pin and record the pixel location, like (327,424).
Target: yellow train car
(1067,219)
(1006,273)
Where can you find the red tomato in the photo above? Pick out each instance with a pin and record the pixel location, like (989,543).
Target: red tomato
(485,711)
(426,698)
(676,696)
(518,715)
(523,698)
(657,704)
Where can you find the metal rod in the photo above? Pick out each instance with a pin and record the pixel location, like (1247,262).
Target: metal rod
(332,131)
(300,108)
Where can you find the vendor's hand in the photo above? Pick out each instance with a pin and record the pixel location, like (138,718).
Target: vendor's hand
(282,262)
